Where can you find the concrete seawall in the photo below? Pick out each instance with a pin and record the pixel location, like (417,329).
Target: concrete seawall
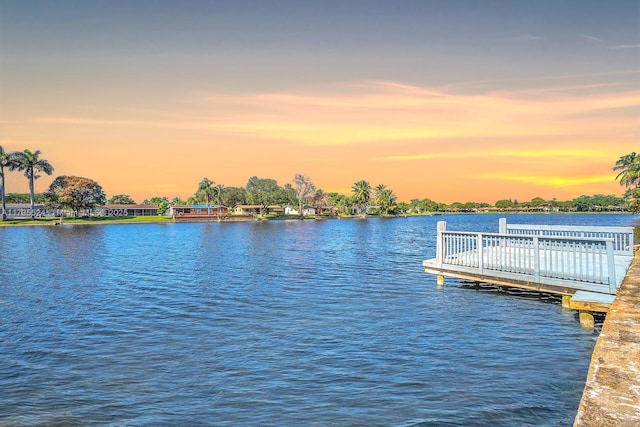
(611,395)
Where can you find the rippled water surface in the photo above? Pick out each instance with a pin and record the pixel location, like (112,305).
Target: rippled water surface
(328,322)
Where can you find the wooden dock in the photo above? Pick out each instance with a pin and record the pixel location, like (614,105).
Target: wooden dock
(587,264)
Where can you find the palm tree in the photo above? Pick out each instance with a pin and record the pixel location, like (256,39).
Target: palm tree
(344,203)
(379,191)
(218,192)
(31,164)
(390,200)
(385,198)
(629,167)
(206,191)
(361,195)
(5,161)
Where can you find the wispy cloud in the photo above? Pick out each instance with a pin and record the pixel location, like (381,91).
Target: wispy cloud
(565,153)
(94,122)
(550,180)
(625,46)
(376,111)
(590,38)
(535,80)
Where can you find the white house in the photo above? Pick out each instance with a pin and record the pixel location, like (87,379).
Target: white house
(306,210)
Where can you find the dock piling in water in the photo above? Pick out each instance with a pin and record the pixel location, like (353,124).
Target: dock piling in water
(586,320)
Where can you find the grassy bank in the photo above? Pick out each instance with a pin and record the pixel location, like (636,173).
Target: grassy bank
(89,220)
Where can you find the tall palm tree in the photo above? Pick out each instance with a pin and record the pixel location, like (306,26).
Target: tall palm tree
(379,191)
(629,167)
(361,195)
(218,192)
(31,164)
(5,162)
(206,192)
(385,198)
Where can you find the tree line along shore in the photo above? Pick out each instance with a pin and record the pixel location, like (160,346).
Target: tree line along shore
(78,194)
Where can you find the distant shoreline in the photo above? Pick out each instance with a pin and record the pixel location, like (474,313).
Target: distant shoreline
(26,222)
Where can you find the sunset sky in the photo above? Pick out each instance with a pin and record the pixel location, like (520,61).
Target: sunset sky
(448,99)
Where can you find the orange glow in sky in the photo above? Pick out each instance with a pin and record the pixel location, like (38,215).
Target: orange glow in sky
(148,122)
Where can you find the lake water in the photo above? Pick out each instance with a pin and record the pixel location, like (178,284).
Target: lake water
(288,323)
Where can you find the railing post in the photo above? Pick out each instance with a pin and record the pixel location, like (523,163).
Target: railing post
(480,253)
(536,258)
(441,226)
(611,267)
(502,226)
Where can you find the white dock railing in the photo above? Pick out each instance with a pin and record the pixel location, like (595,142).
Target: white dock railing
(528,253)
(622,236)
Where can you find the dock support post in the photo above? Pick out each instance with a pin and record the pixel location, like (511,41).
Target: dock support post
(586,320)
(566,301)
(440,280)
